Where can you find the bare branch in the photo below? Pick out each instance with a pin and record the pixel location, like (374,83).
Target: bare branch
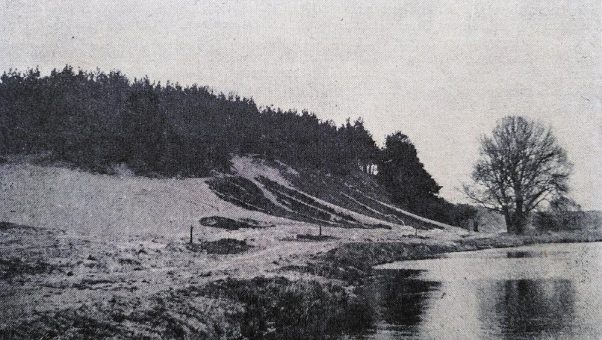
(521,165)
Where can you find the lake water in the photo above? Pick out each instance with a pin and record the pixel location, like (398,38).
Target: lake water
(542,291)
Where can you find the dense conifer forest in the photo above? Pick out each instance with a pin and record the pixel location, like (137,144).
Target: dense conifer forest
(96,120)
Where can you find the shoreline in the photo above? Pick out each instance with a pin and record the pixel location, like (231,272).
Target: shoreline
(160,288)
(354,261)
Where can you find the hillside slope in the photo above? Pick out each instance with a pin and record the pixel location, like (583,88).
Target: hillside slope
(270,193)
(105,255)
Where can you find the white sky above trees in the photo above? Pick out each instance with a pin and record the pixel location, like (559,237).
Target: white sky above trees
(442,72)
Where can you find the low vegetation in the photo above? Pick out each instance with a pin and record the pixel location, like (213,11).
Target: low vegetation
(277,308)
(309,237)
(223,246)
(232,224)
(14,267)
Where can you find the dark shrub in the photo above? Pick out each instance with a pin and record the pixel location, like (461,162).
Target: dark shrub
(276,308)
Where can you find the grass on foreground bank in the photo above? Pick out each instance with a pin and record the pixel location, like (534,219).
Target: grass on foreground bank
(259,308)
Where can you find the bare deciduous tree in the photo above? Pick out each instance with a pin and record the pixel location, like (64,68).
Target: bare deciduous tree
(521,165)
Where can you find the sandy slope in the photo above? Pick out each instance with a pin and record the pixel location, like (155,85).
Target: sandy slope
(103,205)
(52,197)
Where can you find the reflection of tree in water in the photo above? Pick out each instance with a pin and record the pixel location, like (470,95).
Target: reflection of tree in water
(531,307)
(402,299)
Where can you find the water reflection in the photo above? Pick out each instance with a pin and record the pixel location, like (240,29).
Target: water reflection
(403,297)
(529,293)
(529,307)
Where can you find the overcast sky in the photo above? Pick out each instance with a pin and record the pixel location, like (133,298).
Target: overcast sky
(442,72)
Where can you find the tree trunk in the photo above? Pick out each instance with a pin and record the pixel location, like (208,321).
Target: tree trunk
(520,221)
(509,224)
(516,222)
